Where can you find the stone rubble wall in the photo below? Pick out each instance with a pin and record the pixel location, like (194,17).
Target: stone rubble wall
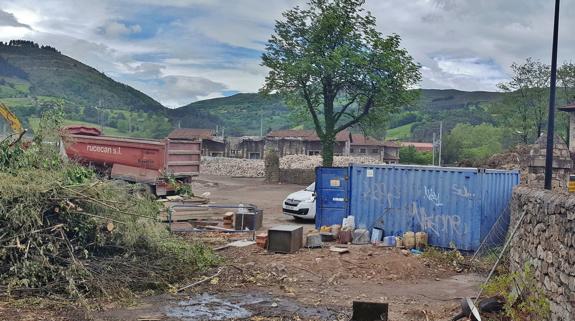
(298,176)
(546,240)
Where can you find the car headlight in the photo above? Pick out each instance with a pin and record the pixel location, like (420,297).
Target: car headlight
(311,200)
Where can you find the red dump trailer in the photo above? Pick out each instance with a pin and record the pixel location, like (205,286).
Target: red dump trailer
(135,160)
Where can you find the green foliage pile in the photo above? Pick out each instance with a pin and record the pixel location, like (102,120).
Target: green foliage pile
(64,232)
(524,300)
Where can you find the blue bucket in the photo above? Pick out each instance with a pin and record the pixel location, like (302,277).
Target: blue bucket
(389,241)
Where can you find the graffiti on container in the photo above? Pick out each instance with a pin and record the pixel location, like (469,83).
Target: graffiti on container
(461,191)
(380,192)
(104,149)
(432,196)
(438,224)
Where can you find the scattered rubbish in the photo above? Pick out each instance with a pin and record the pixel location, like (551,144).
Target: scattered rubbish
(361,236)
(405,252)
(416,252)
(313,240)
(348,223)
(248,217)
(262,240)
(389,241)
(335,229)
(344,236)
(328,236)
(340,250)
(242,243)
(376,235)
(201,281)
(409,240)
(369,311)
(421,240)
(399,242)
(285,238)
(487,305)
(229,220)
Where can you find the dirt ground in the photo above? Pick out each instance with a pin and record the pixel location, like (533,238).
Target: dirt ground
(268,197)
(311,284)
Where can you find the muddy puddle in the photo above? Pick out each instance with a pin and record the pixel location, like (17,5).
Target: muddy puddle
(234,306)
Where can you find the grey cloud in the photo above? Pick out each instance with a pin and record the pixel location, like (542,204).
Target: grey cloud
(8,19)
(115,29)
(176,91)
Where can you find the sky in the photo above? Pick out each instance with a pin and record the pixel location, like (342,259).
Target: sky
(180,51)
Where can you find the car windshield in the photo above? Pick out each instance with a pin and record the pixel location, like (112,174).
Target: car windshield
(311,188)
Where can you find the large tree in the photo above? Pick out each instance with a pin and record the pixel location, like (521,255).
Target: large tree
(329,60)
(525,106)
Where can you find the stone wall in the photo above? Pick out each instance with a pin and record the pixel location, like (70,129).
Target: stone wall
(297,176)
(561,164)
(546,239)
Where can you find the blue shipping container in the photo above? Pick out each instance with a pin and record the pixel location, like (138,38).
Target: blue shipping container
(332,195)
(453,205)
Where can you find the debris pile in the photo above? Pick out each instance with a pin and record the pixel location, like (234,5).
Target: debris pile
(309,162)
(64,232)
(515,158)
(237,167)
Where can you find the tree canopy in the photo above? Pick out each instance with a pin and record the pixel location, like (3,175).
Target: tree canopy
(330,61)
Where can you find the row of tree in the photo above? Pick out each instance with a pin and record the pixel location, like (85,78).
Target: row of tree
(26,44)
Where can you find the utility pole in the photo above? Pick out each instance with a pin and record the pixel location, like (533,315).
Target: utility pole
(100,116)
(261,122)
(433,151)
(440,141)
(551,119)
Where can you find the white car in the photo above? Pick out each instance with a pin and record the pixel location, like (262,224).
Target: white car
(301,204)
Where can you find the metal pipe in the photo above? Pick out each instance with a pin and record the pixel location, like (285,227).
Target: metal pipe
(551,118)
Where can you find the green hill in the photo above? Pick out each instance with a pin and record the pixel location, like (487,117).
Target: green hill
(240,114)
(28,71)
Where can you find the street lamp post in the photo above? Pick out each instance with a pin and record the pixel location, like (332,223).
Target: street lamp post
(551,119)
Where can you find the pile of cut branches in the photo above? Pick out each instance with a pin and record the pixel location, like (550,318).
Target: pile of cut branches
(65,232)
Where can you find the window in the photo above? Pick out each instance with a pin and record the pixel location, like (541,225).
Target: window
(375,151)
(254,155)
(362,150)
(313,152)
(351,150)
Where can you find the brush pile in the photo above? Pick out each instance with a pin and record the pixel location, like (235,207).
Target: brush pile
(66,233)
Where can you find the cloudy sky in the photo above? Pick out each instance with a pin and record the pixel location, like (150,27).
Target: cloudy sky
(179,51)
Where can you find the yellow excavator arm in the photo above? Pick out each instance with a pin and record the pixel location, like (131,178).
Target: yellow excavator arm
(12,120)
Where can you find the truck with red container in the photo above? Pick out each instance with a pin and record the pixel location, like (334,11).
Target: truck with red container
(136,160)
